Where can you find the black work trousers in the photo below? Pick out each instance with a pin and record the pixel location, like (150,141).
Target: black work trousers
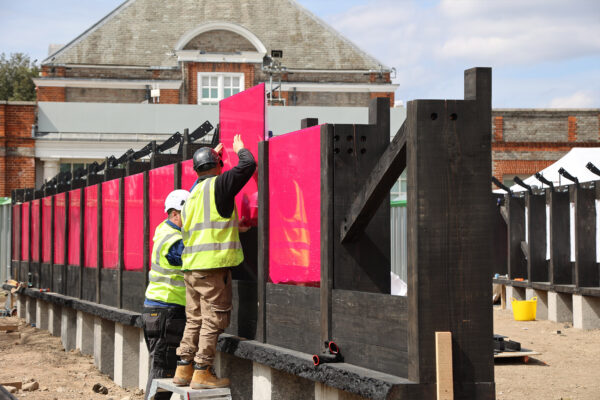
(163,329)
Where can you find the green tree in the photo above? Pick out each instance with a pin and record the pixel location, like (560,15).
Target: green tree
(15,77)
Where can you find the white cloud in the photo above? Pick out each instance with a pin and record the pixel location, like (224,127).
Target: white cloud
(579,99)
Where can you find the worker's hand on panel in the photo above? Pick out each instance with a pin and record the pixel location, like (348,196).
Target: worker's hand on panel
(219,148)
(243,225)
(237,143)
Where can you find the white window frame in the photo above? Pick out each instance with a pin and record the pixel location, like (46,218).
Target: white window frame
(220,85)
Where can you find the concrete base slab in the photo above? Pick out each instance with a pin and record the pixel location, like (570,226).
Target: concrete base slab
(54,313)
(85,333)
(324,392)
(261,381)
(127,352)
(104,346)
(22,306)
(586,312)
(68,328)
(240,372)
(542,302)
(144,362)
(560,307)
(287,386)
(41,315)
(30,306)
(518,293)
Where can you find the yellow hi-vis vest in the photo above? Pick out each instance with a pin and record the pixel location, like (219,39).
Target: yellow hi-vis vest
(165,280)
(210,240)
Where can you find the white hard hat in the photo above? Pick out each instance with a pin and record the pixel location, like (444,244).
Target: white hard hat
(176,199)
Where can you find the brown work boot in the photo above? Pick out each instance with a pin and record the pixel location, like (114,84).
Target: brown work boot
(183,373)
(205,378)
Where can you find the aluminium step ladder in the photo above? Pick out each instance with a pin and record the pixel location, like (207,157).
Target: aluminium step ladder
(186,393)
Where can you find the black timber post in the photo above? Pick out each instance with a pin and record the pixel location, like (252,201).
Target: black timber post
(99,242)
(515,211)
(66,246)
(500,237)
(537,270)
(121,245)
(52,238)
(327,230)
(586,268)
(450,209)
(81,242)
(263,240)
(177,175)
(40,237)
(308,122)
(146,227)
(560,264)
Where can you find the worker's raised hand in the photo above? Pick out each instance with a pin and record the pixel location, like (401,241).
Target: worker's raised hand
(219,148)
(237,143)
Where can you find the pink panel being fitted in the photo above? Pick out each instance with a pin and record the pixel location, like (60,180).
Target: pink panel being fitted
(162,182)
(133,246)
(188,175)
(35,230)
(295,207)
(25,231)
(16,219)
(74,225)
(46,228)
(59,228)
(244,114)
(110,224)
(90,227)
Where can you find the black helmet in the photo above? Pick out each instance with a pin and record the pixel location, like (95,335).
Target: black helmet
(206,158)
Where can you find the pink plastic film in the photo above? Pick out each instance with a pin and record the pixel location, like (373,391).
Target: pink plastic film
(35,230)
(162,182)
(295,208)
(188,175)
(134,223)
(16,219)
(244,114)
(90,227)
(110,224)
(46,228)
(59,228)
(25,231)
(74,226)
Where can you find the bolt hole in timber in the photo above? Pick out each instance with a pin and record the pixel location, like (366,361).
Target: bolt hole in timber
(453,117)
(433,116)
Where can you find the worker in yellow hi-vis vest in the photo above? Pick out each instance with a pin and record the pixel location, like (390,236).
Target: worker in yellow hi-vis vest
(164,307)
(212,246)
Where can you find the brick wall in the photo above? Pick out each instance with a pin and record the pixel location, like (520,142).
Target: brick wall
(191,84)
(169,96)
(99,95)
(47,93)
(17,164)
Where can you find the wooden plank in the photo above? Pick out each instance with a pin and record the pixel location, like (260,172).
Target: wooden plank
(9,327)
(295,328)
(327,229)
(377,187)
(72,280)
(133,298)
(244,312)
(108,288)
(443,362)
(586,268)
(17,385)
(88,284)
(374,305)
(560,262)
(537,268)
(263,239)
(517,265)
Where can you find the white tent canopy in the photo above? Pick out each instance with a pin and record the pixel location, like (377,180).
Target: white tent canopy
(574,162)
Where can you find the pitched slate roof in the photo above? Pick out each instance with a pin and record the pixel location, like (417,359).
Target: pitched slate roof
(145,32)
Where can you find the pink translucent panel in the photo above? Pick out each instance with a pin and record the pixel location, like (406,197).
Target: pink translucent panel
(59,228)
(162,182)
(110,224)
(25,231)
(244,114)
(90,227)
(295,207)
(16,217)
(46,228)
(74,226)
(134,222)
(35,230)
(188,175)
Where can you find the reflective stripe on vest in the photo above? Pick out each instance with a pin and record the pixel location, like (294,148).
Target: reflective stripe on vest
(165,280)
(210,240)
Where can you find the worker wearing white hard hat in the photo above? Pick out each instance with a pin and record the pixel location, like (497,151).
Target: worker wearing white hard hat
(164,307)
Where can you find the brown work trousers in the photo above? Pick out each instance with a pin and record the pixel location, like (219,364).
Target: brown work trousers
(207,309)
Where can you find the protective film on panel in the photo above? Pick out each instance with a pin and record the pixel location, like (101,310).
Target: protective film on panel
(110,224)
(244,114)
(59,228)
(46,228)
(25,231)
(295,208)
(162,182)
(35,230)
(133,232)
(90,227)
(188,175)
(16,217)
(74,226)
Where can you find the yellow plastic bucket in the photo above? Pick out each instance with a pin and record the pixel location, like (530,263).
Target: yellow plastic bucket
(524,310)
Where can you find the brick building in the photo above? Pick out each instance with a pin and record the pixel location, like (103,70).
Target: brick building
(198,52)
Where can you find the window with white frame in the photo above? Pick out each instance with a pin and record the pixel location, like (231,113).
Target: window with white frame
(213,87)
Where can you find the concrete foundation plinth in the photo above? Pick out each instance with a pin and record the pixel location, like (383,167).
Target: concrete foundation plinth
(68,328)
(41,315)
(240,372)
(21,306)
(542,302)
(30,306)
(287,386)
(560,307)
(54,313)
(261,381)
(586,312)
(85,333)
(104,346)
(127,352)
(518,293)
(144,362)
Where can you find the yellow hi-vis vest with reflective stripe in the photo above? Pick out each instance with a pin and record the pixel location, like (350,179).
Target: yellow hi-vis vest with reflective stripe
(210,240)
(165,280)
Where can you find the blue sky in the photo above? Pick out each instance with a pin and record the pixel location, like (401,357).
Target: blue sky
(544,53)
